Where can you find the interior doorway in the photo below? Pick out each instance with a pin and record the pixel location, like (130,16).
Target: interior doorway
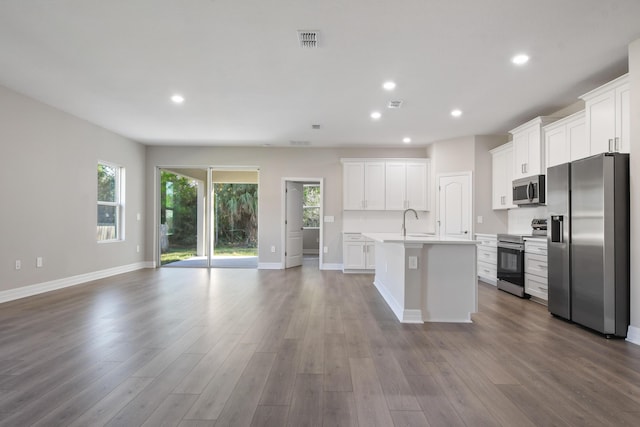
(455,205)
(302,234)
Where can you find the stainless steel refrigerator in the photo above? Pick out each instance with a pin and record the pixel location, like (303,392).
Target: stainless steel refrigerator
(588,242)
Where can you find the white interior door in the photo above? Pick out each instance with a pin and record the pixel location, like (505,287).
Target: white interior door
(293,224)
(454,201)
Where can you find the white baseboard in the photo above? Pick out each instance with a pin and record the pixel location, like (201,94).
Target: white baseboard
(633,335)
(326,266)
(270,266)
(412,316)
(39,288)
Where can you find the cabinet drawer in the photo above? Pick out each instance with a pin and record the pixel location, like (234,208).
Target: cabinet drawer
(535,264)
(488,255)
(536,286)
(535,247)
(487,270)
(354,237)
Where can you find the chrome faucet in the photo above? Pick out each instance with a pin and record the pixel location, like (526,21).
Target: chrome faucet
(404,220)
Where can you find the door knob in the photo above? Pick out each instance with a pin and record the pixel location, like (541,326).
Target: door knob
(465,232)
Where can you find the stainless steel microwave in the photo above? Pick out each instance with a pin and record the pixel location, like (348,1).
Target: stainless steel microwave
(529,191)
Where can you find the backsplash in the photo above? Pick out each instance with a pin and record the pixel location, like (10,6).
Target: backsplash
(520,218)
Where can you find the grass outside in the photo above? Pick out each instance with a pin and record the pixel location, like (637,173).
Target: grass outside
(180,254)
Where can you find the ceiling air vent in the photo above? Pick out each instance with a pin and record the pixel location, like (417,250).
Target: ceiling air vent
(300,143)
(394,104)
(308,38)
(315,126)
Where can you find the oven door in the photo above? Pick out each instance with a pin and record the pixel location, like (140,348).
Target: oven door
(511,263)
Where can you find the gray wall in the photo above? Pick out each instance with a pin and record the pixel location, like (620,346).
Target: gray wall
(48,178)
(634,160)
(310,240)
(275,164)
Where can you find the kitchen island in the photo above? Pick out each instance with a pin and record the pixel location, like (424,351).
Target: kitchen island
(426,278)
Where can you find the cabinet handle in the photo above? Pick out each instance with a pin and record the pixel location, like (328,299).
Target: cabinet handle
(522,168)
(610,145)
(542,267)
(616,144)
(486,271)
(486,255)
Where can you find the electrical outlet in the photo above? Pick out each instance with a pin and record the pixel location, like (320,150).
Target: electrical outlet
(273,249)
(39,262)
(326,249)
(138,216)
(480,219)
(18,264)
(138,248)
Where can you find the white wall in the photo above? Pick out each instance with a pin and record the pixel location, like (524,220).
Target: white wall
(634,167)
(275,164)
(48,193)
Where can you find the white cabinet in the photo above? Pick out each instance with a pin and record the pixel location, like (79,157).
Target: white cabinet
(487,258)
(358,253)
(566,140)
(406,184)
(535,269)
(528,147)
(608,122)
(363,185)
(502,176)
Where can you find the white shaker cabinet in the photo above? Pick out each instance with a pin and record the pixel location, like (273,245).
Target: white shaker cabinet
(528,147)
(607,117)
(406,185)
(363,186)
(487,258)
(502,173)
(565,140)
(358,253)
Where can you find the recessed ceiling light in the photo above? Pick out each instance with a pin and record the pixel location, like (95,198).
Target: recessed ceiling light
(520,59)
(177,99)
(389,85)
(406,140)
(456,113)
(376,115)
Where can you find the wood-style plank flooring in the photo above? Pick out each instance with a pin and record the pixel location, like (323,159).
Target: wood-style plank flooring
(302,347)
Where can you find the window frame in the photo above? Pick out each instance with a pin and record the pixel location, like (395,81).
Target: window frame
(118,202)
(305,207)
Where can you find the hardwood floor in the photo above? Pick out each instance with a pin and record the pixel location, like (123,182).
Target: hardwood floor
(302,347)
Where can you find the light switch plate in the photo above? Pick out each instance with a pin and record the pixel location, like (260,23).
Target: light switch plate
(413,262)
(329,218)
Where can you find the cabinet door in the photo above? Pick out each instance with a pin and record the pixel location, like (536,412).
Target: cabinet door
(534,159)
(499,177)
(556,146)
(370,256)
(577,139)
(354,256)
(508,183)
(520,154)
(353,186)
(416,186)
(395,186)
(623,119)
(374,185)
(601,122)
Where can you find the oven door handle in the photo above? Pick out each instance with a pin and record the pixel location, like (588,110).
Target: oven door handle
(510,246)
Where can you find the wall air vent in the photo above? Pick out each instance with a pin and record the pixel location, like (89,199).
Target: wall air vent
(394,104)
(308,38)
(299,143)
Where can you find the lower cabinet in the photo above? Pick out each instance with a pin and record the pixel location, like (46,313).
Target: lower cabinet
(358,253)
(535,269)
(487,258)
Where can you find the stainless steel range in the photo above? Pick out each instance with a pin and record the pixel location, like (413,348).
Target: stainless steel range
(511,258)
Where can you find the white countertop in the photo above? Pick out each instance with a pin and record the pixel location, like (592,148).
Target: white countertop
(424,238)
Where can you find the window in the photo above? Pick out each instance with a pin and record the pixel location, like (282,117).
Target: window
(311,206)
(110,202)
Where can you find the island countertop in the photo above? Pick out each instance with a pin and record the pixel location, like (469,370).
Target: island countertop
(424,238)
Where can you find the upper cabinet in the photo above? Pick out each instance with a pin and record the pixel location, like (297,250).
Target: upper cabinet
(385,184)
(528,147)
(502,176)
(565,140)
(363,185)
(406,185)
(607,117)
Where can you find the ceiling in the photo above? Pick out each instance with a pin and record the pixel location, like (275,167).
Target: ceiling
(247,82)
